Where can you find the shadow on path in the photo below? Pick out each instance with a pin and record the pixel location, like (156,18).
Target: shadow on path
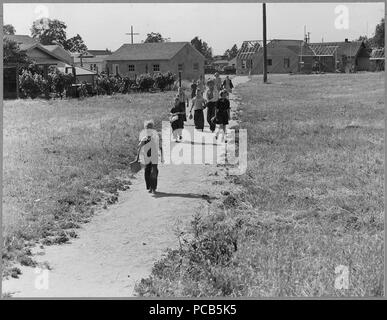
(183,195)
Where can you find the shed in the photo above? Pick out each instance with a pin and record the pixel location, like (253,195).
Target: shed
(351,56)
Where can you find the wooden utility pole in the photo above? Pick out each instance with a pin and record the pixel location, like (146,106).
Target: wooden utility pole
(132,33)
(264,44)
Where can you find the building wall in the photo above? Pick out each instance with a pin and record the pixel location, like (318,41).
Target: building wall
(362,64)
(376,65)
(187,57)
(277,56)
(140,67)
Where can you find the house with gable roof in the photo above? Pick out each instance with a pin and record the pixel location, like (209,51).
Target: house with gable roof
(43,56)
(131,60)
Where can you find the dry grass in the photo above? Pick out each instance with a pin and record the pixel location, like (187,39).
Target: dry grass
(64,159)
(311,199)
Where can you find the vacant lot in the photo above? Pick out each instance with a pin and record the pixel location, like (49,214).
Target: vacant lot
(310,201)
(64,158)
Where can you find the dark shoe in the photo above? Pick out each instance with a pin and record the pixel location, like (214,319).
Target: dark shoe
(150,190)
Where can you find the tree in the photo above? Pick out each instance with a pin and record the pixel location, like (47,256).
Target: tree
(12,53)
(369,42)
(48,31)
(378,39)
(231,53)
(154,37)
(9,29)
(202,47)
(75,44)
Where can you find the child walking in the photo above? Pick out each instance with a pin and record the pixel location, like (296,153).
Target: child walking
(198,105)
(150,145)
(177,115)
(222,113)
(212,96)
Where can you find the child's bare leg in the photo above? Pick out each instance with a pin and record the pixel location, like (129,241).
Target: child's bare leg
(224,132)
(174,133)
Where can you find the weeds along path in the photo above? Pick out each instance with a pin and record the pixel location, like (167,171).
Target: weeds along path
(120,245)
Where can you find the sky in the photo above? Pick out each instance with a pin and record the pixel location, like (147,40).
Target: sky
(103,25)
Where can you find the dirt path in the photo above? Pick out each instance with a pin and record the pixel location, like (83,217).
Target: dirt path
(120,245)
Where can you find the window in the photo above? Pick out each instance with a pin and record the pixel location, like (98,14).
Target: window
(196,66)
(286,62)
(131,67)
(156,67)
(180,67)
(243,64)
(269,62)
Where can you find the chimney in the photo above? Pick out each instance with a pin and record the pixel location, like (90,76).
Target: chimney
(346,40)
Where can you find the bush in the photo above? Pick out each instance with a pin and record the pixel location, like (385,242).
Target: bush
(126,84)
(104,84)
(169,78)
(145,82)
(165,80)
(32,85)
(159,81)
(107,84)
(59,81)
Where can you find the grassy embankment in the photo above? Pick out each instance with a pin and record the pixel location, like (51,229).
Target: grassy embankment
(64,159)
(311,199)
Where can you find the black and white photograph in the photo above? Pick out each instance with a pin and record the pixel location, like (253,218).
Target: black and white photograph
(193,150)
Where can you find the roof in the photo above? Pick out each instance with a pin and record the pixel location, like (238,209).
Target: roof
(349,49)
(377,54)
(323,50)
(248,49)
(79,71)
(60,51)
(99,52)
(90,59)
(147,51)
(286,42)
(24,41)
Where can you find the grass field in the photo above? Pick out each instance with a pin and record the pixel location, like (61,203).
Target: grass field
(310,201)
(64,159)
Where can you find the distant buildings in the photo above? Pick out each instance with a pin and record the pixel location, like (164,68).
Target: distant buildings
(292,56)
(93,60)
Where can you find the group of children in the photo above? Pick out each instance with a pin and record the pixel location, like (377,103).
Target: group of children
(214,98)
(218,112)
